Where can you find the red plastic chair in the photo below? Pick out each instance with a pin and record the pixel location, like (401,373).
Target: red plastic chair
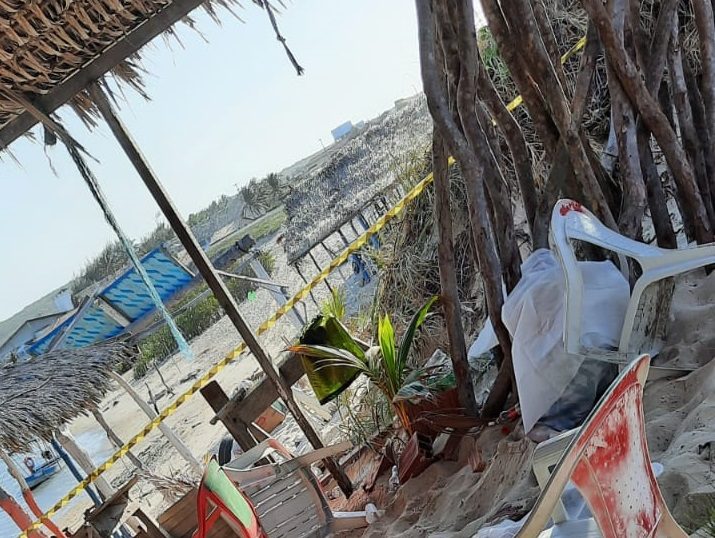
(218,498)
(608,461)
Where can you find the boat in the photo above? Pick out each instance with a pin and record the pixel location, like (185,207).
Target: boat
(38,475)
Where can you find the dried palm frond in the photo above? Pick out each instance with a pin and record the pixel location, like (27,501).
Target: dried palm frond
(39,396)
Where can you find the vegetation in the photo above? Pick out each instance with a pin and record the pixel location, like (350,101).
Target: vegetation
(261,227)
(198,314)
(335,306)
(387,365)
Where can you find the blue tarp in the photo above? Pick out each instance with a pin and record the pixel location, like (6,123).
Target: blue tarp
(127,295)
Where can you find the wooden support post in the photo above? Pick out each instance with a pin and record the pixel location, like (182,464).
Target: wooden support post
(279,296)
(315,262)
(114,438)
(213,280)
(332,255)
(217,399)
(75,472)
(68,442)
(15,472)
(344,239)
(302,276)
(177,443)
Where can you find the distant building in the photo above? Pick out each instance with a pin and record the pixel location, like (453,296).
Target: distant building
(342,130)
(28,328)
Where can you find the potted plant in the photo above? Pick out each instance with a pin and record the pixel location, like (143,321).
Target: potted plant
(387,364)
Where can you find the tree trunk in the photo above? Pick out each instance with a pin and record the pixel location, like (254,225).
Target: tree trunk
(700,122)
(540,68)
(543,124)
(630,220)
(705,23)
(448,278)
(469,157)
(685,118)
(552,47)
(654,118)
(517,147)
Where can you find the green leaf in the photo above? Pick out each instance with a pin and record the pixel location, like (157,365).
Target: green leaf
(386,339)
(409,336)
(323,352)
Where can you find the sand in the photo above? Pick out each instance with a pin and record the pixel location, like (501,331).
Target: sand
(191,421)
(449,501)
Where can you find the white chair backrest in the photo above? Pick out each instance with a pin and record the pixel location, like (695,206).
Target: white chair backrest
(288,504)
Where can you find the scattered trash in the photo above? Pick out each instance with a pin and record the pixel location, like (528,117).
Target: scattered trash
(394,482)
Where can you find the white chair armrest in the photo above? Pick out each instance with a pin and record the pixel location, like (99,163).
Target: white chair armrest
(547,454)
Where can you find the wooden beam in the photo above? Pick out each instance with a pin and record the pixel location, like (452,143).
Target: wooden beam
(68,442)
(247,408)
(112,312)
(217,399)
(214,281)
(174,439)
(99,66)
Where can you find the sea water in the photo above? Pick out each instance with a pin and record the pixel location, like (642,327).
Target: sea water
(94,441)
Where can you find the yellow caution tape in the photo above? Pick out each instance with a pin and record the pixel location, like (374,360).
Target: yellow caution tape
(581,43)
(228,359)
(265,326)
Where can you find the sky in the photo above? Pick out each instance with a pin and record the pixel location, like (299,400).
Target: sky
(225,107)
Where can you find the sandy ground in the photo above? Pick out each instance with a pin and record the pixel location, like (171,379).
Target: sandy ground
(449,500)
(191,420)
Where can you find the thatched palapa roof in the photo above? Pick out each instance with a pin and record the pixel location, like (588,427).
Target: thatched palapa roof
(50,50)
(41,395)
(360,169)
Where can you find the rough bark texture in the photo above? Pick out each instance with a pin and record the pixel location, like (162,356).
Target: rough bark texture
(685,118)
(655,120)
(630,220)
(469,157)
(448,278)
(706,33)
(517,147)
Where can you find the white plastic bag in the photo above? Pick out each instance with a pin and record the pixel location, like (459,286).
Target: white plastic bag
(534,315)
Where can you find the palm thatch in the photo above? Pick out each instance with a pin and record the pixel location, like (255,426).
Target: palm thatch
(358,171)
(41,395)
(44,44)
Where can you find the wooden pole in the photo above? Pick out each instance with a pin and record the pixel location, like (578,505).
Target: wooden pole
(115,439)
(204,266)
(15,472)
(68,442)
(217,399)
(317,265)
(75,472)
(177,443)
(17,514)
(302,276)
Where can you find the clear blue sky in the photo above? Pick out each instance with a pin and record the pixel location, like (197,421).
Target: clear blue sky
(221,112)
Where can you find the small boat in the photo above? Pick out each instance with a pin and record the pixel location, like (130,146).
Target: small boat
(44,472)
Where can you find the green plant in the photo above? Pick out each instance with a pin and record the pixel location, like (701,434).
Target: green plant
(386,365)
(335,306)
(268,261)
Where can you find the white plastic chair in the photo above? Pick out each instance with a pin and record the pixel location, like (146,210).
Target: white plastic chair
(649,306)
(287,497)
(607,459)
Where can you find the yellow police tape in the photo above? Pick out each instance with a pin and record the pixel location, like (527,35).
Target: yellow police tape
(228,359)
(265,326)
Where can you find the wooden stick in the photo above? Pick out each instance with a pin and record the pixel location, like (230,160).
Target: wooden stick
(14,471)
(174,439)
(68,442)
(115,439)
(204,266)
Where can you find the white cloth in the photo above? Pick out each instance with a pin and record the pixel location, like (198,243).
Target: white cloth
(534,315)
